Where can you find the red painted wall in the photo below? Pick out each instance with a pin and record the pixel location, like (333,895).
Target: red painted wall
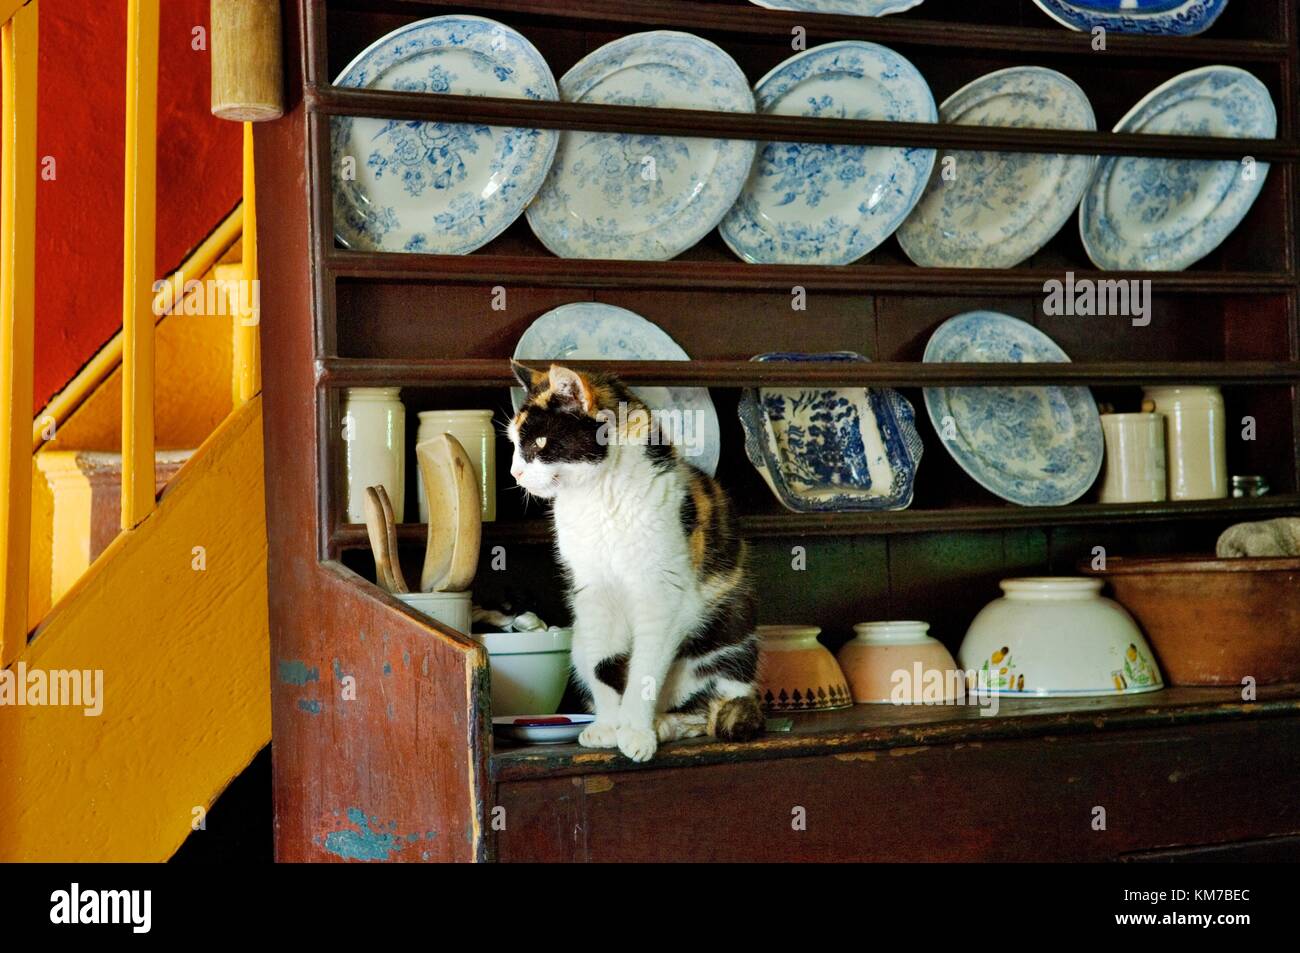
(80,123)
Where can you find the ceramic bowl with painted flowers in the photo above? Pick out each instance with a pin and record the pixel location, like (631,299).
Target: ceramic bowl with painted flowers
(1056,636)
(832,449)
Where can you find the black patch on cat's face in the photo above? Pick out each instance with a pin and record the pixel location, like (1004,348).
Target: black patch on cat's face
(569,436)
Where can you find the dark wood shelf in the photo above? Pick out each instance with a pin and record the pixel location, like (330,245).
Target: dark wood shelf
(548,271)
(483,372)
(643,120)
(756,23)
(863,729)
(787,525)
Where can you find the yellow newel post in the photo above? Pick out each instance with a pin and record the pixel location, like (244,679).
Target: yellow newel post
(247,354)
(138,492)
(18,39)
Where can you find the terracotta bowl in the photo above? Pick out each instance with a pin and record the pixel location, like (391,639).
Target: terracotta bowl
(798,673)
(1214,621)
(898,663)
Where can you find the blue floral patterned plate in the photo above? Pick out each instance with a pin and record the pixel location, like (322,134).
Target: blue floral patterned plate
(437,187)
(1146,214)
(1036,446)
(832,450)
(1152,17)
(825,204)
(995,209)
(856,8)
(632,196)
(591,331)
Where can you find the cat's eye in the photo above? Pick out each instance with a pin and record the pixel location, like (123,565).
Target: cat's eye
(541,443)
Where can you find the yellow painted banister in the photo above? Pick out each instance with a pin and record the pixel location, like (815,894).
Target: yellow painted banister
(139,225)
(247,350)
(171,292)
(18,48)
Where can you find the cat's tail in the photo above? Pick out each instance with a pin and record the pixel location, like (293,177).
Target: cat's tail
(735,719)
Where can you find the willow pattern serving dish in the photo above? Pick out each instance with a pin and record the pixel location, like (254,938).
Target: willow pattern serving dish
(995,209)
(1036,446)
(827,204)
(1056,636)
(439,187)
(644,197)
(591,331)
(823,450)
(1144,214)
(1152,17)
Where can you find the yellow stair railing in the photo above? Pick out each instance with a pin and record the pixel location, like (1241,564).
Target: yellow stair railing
(18,48)
(143,299)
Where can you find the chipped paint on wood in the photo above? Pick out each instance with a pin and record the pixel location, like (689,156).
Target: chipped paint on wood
(310,705)
(597,783)
(295,672)
(363,842)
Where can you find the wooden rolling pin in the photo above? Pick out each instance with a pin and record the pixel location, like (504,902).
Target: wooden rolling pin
(247,71)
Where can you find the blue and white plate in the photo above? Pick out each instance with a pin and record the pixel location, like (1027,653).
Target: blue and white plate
(1036,446)
(590,331)
(438,187)
(825,204)
(1146,214)
(855,8)
(995,209)
(826,450)
(1152,17)
(632,196)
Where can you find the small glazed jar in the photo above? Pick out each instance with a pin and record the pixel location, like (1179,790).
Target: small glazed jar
(1195,440)
(473,428)
(898,663)
(1135,470)
(374,447)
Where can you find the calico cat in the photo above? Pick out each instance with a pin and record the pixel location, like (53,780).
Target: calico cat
(663,612)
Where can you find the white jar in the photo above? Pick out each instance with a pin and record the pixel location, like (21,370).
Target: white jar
(1195,440)
(473,428)
(374,447)
(1135,470)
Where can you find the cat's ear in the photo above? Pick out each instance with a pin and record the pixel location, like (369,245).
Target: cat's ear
(530,379)
(568,387)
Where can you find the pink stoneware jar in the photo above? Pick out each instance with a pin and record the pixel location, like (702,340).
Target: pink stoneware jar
(898,663)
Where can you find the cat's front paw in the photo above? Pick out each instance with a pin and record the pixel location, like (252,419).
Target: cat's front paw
(598,735)
(639,744)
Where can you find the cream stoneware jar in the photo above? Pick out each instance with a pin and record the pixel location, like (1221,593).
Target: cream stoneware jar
(898,663)
(374,447)
(1134,471)
(473,428)
(1056,636)
(1195,440)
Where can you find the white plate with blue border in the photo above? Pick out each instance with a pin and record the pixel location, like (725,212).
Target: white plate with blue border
(853,8)
(996,209)
(1147,214)
(1150,17)
(644,197)
(825,450)
(438,187)
(591,331)
(1036,446)
(825,204)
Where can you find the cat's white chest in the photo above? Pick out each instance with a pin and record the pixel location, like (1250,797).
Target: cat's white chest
(603,541)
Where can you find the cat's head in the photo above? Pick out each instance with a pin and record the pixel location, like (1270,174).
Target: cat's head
(561,434)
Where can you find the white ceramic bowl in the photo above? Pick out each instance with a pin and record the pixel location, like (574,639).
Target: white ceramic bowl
(1057,636)
(529,670)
